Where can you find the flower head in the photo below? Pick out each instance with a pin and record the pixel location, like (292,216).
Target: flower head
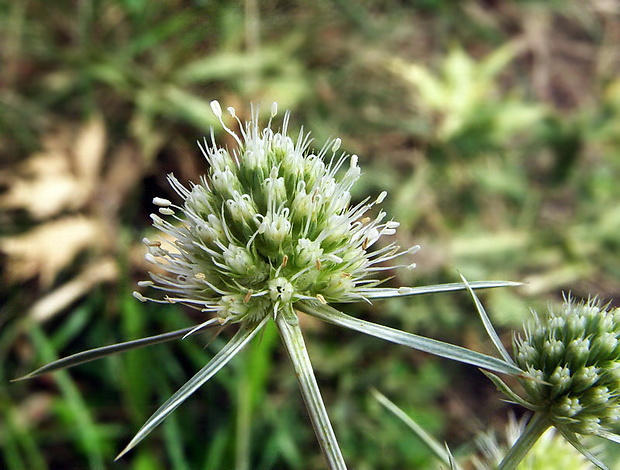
(573,357)
(271,231)
(271,224)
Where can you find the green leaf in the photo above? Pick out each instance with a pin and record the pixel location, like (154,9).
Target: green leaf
(438,348)
(242,337)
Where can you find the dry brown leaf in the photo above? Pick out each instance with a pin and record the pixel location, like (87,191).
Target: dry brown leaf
(62,176)
(47,249)
(89,150)
(101,270)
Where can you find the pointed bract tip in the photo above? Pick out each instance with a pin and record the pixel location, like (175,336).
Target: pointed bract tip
(23,377)
(122,453)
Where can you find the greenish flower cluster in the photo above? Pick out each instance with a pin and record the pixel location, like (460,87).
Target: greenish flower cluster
(572,363)
(271,224)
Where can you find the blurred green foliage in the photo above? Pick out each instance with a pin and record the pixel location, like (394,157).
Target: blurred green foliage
(493,126)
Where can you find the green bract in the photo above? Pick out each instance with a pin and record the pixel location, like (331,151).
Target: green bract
(270,225)
(573,355)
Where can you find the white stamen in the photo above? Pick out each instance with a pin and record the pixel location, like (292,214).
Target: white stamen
(160,201)
(274,109)
(139,296)
(145,283)
(216,108)
(334,258)
(381,197)
(166,211)
(150,258)
(353,161)
(336,145)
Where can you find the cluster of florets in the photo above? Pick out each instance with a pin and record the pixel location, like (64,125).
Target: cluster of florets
(270,225)
(572,363)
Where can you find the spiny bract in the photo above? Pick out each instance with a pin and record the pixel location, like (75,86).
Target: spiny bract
(573,355)
(270,225)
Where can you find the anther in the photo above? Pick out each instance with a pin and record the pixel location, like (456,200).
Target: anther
(160,201)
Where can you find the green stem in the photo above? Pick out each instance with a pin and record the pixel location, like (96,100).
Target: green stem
(296,347)
(244,416)
(534,429)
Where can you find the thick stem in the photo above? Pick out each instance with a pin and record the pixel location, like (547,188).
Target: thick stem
(532,432)
(296,347)
(244,417)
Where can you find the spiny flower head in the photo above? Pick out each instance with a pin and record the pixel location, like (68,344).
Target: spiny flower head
(572,363)
(271,224)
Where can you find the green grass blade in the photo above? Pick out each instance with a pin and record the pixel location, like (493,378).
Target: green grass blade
(241,338)
(431,443)
(89,435)
(438,348)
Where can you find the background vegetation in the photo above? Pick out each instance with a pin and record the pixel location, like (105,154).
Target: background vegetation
(494,126)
